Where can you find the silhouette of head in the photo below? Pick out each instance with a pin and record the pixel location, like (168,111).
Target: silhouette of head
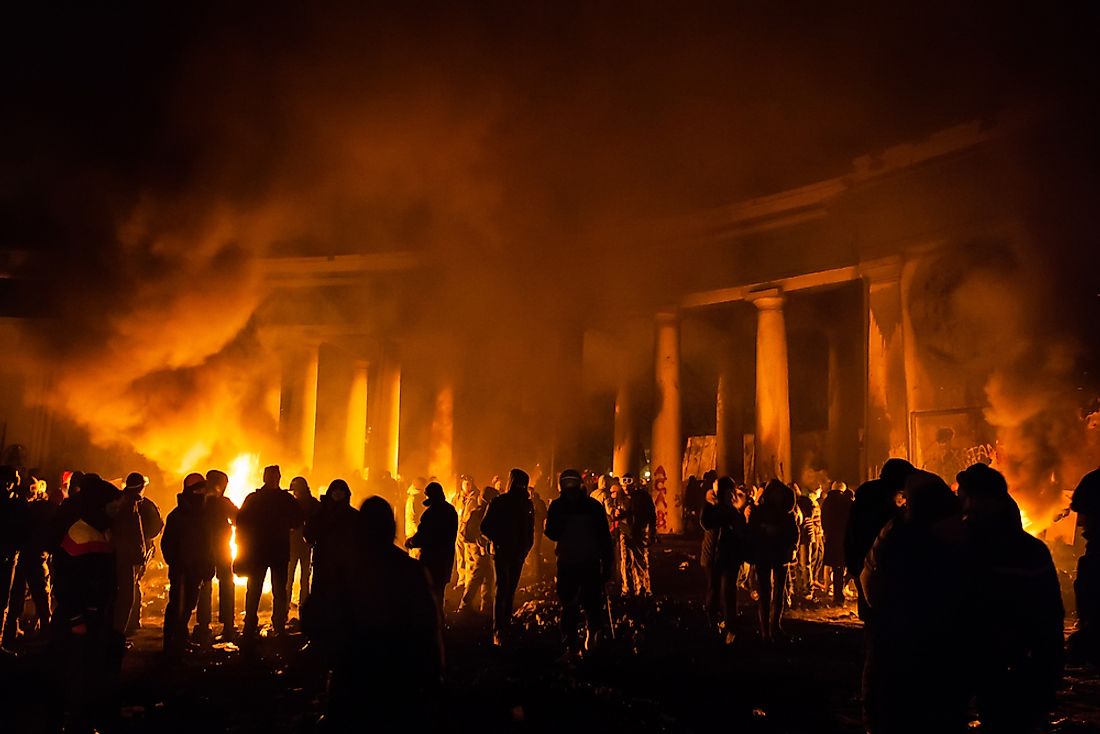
(518,481)
(777,497)
(194,482)
(216,482)
(272,475)
(980,480)
(135,482)
(300,487)
(571,484)
(928,499)
(489,493)
(434,493)
(894,472)
(984,494)
(339,492)
(95,494)
(377,522)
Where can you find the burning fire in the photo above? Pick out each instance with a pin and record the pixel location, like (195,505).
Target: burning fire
(242,473)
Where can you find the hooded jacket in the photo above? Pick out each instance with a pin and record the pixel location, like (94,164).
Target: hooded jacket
(578,525)
(186,543)
(435,537)
(263,528)
(510,523)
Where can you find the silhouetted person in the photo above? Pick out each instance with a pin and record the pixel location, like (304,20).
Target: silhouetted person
(30,569)
(1018,622)
(380,634)
(578,525)
(189,554)
(875,505)
(481,578)
(809,531)
(435,537)
(836,508)
(915,579)
(1084,643)
(773,534)
(88,648)
(510,524)
(332,532)
(13,533)
(263,541)
(725,548)
(221,515)
(300,551)
(133,529)
(637,524)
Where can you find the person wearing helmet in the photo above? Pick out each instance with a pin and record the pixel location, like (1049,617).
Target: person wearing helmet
(187,551)
(510,524)
(435,537)
(577,524)
(133,530)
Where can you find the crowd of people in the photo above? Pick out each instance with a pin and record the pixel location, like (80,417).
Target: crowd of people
(959,603)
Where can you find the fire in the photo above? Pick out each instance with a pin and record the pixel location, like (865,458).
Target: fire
(242,472)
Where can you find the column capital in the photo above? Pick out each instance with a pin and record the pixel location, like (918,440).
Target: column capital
(669,315)
(884,271)
(767,299)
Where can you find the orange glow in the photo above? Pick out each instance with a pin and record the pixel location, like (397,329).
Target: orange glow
(243,473)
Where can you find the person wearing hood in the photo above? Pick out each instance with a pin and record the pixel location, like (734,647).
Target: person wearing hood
(773,536)
(263,540)
(1084,643)
(380,633)
(875,505)
(918,588)
(481,578)
(221,515)
(331,532)
(435,537)
(1019,621)
(835,510)
(577,524)
(13,530)
(724,550)
(30,570)
(510,524)
(188,552)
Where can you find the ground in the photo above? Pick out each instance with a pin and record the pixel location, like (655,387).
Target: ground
(664,672)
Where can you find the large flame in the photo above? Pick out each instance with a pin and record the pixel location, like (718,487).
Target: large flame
(242,472)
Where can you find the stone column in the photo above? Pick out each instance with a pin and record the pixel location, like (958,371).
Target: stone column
(625,457)
(668,447)
(298,403)
(773,405)
(729,438)
(887,431)
(355,432)
(441,450)
(386,433)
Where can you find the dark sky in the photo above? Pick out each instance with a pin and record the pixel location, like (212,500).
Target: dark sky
(578,112)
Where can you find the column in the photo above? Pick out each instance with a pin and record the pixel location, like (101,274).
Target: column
(773,406)
(441,450)
(355,432)
(729,431)
(298,403)
(668,448)
(625,456)
(887,431)
(386,433)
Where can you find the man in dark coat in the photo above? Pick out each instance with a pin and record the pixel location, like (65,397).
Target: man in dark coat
(918,588)
(835,510)
(510,524)
(221,515)
(331,532)
(89,649)
(578,525)
(435,537)
(725,548)
(1084,643)
(875,505)
(187,551)
(379,631)
(1018,622)
(263,540)
(133,529)
(13,534)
